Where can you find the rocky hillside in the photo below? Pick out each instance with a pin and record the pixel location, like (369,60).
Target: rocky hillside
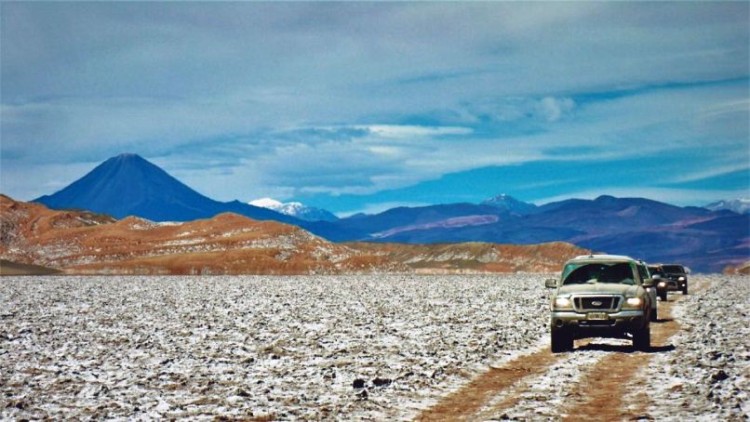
(80,242)
(740,269)
(476,257)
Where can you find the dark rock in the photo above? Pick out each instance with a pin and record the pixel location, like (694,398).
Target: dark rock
(719,376)
(363,395)
(381,382)
(358,383)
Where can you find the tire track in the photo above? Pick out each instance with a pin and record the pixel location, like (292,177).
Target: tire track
(612,388)
(612,378)
(467,401)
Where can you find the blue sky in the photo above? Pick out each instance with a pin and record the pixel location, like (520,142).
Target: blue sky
(363,106)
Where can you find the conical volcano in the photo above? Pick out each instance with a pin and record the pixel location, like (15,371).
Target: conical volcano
(128,184)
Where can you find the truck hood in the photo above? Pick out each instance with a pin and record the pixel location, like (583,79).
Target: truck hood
(599,288)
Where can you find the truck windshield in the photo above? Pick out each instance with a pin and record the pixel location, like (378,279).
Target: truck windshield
(600,272)
(673,269)
(655,271)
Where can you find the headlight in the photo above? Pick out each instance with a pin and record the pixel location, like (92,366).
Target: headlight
(634,302)
(681,279)
(563,303)
(662,284)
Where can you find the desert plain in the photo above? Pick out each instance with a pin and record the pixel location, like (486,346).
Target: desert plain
(371,347)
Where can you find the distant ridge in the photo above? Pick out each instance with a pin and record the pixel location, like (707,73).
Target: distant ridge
(645,229)
(128,185)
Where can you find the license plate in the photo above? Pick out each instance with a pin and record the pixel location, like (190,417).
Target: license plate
(597,316)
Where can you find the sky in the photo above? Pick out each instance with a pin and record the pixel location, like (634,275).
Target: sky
(359,107)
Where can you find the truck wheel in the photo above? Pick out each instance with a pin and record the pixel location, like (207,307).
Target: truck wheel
(684,289)
(663,296)
(562,340)
(642,339)
(655,314)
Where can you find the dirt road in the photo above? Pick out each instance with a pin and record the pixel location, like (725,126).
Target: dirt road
(601,380)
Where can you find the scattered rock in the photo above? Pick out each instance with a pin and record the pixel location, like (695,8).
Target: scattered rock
(381,382)
(721,375)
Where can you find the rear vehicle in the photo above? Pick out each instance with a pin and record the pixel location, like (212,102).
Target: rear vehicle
(646,274)
(676,277)
(601,296)
(660,280)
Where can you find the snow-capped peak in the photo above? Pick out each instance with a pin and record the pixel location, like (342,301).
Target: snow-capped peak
(510,204)
(269,203)
(295,209)
(740,205)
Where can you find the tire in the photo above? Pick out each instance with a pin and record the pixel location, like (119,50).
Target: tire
(663,296)
(655,314)
(562,340)
(684,289)
(642,339)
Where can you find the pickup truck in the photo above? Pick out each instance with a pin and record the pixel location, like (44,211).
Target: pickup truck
(601,296)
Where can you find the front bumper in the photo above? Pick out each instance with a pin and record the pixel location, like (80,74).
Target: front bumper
(674,285)
(616,324)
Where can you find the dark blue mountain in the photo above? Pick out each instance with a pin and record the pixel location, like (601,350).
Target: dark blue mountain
(370,227)
(607,214)
(657,232)
(130,185)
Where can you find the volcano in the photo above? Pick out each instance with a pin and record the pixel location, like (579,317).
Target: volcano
(129,185)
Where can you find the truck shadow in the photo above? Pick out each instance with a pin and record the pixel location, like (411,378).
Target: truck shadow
(662,320)
(623,348)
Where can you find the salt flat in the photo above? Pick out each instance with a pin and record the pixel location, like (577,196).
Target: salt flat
(296,347)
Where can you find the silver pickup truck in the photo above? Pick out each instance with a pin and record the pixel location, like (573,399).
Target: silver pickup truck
(601,296)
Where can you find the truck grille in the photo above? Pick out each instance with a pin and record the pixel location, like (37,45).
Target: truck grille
(596,303)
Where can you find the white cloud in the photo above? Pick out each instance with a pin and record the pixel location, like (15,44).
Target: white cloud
(552,109)
(407,132)
(702,173)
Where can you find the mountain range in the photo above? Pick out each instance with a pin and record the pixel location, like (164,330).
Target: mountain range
(704,239)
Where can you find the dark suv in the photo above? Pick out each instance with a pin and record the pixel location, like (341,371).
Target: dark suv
(660,279)
(676,277)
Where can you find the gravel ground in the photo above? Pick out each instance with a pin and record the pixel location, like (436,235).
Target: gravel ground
(707,376)
(286,347)
(353,347)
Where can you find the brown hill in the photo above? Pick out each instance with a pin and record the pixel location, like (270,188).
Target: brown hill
(475,257)
(739,269)
(81,242)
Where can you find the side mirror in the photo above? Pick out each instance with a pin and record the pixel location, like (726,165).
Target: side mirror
(649,282)
(550,283)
